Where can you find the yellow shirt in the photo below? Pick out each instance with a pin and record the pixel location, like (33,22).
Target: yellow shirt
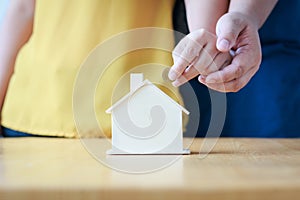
(39,98)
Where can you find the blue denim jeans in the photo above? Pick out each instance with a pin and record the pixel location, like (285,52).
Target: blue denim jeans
(6,132)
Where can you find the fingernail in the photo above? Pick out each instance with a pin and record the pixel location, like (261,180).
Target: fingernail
(224,44)
(201,79)
(172,75)
(187,69)
(176,84)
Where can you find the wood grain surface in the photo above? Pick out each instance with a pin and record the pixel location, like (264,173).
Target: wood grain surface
(53,168)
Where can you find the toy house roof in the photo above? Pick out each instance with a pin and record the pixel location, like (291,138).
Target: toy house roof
(144,83)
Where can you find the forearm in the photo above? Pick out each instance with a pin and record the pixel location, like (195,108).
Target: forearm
(205,13)
(14,33)
(257,10)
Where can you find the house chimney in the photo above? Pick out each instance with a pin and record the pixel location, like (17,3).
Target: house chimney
(136,80)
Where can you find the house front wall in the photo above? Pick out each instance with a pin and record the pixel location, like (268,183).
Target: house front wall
(147,122)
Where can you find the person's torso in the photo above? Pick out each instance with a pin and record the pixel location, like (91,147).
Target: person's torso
(39,98)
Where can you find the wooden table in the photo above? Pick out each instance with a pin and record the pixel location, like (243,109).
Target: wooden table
(48,168)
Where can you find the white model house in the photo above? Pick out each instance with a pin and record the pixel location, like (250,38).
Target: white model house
(146,121)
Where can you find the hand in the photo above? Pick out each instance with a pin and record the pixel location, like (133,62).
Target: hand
(196,54)
(238,32)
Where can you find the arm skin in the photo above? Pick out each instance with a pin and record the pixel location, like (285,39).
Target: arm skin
(257,10)
(204,14)
(194,55)
(15,31)
(238,29)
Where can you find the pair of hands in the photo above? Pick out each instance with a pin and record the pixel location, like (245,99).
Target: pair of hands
(208,56)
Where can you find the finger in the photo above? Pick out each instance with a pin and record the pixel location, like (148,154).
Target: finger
(188,74)
(179,48)
(191,72)
(207,54)
(189,49)
(219,62)
(228,29)
(206,57)
(227,74)
(239,66)
(179,62)
(222,59)
(183,57)
(202,37)
(177,69)
(231,86)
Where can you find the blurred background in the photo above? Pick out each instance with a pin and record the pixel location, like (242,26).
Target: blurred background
(3,6)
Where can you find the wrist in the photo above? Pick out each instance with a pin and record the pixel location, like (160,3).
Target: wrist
(248,19)
(246,11)
(256,11)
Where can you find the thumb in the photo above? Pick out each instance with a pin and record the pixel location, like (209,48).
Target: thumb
(228,28)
